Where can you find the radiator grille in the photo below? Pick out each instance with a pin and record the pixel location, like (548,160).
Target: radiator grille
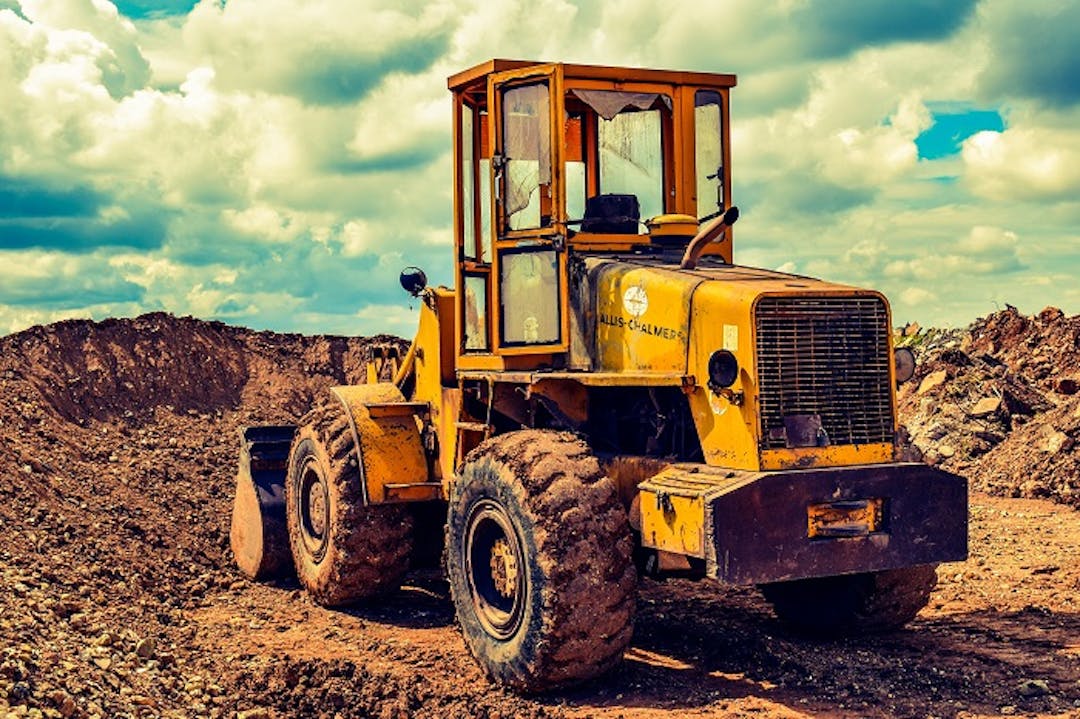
(824,356)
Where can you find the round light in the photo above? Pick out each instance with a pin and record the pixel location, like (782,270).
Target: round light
(723,369)
(905,364)
(413,280)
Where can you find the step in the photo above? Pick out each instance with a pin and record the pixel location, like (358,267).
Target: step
(474,427)
(395,409)
(412,491)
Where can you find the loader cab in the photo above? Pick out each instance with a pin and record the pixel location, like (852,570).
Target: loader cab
(556,159)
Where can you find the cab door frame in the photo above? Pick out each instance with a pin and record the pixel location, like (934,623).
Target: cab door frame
(550,236)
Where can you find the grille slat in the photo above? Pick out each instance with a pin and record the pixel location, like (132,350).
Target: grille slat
(827,356)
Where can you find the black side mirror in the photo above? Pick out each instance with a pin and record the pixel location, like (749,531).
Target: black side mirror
(413,280)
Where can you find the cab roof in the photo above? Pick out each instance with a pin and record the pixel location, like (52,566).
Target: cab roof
(478,74)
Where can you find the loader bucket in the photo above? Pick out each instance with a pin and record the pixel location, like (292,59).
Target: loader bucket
(259,536)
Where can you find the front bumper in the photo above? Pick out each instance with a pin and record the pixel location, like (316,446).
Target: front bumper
(761,527)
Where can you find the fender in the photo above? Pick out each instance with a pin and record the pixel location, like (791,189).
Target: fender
(393,466)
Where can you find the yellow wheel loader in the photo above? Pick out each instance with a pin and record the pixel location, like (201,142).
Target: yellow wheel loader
(605,395)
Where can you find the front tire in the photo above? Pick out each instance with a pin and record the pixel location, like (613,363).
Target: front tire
(343,550)
(854,603)
(539,561)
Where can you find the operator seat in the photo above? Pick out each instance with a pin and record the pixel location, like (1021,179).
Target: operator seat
(614,214)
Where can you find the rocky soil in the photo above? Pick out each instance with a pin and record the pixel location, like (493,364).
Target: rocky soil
(999,403)
(118,597)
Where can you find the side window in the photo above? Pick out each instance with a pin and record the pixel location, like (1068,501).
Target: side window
(468,182)
(485,190)
(476,327)
(575,174)
(527,150)
(475,180)
(708,152)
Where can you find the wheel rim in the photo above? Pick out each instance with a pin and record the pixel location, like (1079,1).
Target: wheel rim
(495,569)
(313,509)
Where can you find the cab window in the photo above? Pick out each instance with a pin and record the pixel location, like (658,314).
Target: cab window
(530,312)
(527,149)
(708,152)
(615,147)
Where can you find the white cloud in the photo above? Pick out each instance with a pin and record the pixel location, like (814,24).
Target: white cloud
(1024,163)
(988,241)
(917,296)
(121,64)
(324,52)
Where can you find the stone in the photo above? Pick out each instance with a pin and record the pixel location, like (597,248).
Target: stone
(991,438)
(986,406)
(145,648)
(946,451)
(66,706)
(932,381)
(936,431)
(1050,314)
(258,713)
(1057,442)
(1033,688)
(1067,386)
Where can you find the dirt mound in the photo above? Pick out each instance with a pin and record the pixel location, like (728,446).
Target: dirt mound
(118,445)
(999,403)
(128,369)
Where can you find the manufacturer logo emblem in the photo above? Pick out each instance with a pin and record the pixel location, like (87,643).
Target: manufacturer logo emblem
(635,301)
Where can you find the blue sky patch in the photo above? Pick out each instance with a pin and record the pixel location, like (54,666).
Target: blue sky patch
(950,129)
(152,9)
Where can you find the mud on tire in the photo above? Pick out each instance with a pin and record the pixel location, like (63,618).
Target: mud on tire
(539,561)
(853,604)
(343,550)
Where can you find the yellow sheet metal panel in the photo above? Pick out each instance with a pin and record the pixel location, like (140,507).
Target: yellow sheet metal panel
(435,369)
(449,409)
(674,504)
(642,318)
(388,443)
(673,523)
(435,345)
(834,456)
(722,320)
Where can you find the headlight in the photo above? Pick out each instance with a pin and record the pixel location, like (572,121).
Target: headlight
(723,369)
(905,364)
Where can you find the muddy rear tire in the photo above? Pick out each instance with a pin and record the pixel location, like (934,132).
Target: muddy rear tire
(853,604)
(539,561)
(343,550)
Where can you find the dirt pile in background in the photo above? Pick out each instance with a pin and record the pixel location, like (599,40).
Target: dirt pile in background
(118,445)
(999,403)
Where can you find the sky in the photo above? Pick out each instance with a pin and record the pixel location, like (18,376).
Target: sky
(275,163)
